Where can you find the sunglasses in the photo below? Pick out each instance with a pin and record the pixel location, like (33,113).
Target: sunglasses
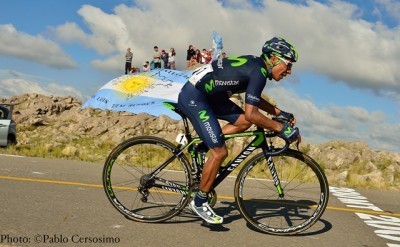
(287,62)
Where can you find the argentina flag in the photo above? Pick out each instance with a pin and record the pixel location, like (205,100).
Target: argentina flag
(143,92)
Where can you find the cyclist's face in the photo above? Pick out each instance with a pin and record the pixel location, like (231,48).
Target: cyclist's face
(280,70)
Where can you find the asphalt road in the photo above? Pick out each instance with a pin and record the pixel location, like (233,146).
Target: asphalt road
(51,202)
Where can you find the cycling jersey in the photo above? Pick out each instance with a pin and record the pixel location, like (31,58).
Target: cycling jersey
(205,98)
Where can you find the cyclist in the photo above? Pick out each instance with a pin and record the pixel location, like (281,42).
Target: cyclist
(205,99)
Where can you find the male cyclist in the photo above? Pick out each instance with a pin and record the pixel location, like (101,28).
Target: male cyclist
(205,98)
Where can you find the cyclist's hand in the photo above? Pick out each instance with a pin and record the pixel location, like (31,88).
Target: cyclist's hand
(286,116)
(289,133)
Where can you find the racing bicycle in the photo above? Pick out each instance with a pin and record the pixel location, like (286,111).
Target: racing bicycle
(278,190)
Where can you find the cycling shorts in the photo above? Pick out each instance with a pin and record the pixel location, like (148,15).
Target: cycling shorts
(204,112)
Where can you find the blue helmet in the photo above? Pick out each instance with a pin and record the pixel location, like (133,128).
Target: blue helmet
(280,47)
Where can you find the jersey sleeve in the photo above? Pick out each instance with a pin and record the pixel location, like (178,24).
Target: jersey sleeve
(257,81)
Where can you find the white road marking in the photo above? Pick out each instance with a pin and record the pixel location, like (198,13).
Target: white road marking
(388,227)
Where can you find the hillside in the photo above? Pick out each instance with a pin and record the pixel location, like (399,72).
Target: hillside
(57,127)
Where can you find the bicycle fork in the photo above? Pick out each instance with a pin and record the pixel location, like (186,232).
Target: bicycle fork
(275,177)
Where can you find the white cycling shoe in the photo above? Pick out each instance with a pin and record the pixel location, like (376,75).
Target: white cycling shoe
(206,213)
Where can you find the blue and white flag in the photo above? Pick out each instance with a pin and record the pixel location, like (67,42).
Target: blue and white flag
(143,92)
(217,46)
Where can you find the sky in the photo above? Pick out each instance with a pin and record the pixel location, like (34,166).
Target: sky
(345,85)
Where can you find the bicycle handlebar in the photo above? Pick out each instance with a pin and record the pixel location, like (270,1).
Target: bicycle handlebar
(274,134)
(278,151)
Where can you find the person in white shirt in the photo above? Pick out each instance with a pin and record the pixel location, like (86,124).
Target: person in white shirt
(171,58)
(146,66)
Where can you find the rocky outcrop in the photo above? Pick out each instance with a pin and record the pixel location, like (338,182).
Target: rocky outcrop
(357,164)
(58,127)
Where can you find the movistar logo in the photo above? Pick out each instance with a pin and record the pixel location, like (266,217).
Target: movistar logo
(209,87)
(237,61)
(287,132)
(264,72)
(203,116)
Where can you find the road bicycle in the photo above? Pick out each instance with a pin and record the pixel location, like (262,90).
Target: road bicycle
(278,190)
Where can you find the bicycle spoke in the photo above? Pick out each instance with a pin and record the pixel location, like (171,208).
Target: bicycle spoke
(290,212)
(131,186)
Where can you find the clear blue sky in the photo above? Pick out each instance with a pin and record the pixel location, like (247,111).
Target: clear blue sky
(346,84)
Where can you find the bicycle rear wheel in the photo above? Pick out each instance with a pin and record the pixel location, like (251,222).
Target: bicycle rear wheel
(134,192)
(305,188)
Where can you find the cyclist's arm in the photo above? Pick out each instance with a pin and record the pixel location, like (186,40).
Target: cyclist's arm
(254,116)
(268,107)
(271,109)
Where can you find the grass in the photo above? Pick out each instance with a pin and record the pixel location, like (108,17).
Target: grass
(86,149)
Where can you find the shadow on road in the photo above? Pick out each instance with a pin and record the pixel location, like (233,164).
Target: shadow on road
(229,211)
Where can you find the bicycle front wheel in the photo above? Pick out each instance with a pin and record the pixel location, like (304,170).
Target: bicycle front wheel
(133,188)
(304,199)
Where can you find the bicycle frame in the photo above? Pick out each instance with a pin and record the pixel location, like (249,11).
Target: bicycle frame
(260,141)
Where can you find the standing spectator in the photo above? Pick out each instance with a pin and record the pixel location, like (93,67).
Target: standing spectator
(164,58)
(157,58)
(128,60)
(146,66)
(190,53)
(171,58)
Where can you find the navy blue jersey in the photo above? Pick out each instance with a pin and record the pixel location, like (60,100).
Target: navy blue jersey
(234,75)
(205,98)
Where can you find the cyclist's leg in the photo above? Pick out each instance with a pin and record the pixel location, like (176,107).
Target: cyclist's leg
(227,110)
(240,125)
(211,167)
(200,113)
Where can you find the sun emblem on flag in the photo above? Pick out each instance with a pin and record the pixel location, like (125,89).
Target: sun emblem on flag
(134,85)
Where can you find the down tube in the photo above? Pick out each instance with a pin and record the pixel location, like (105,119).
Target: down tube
(254,144)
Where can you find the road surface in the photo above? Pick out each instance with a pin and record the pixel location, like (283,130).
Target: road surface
(53,202)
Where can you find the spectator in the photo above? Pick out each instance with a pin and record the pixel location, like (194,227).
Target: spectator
(135,70)
(190,53)
(128,60)
(164,58)
(203,56)
(192,61)
(146,66)
(223,55)
(198,56)
(157,58)
(171,58)
(209,56)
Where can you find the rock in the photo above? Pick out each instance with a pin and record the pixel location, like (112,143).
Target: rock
(375,176)
(371,166)
(341,177)
(69,151)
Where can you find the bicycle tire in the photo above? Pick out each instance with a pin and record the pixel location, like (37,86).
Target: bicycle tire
(128,164)
(305,187)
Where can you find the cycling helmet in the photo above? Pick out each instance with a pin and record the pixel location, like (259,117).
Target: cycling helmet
(280,47)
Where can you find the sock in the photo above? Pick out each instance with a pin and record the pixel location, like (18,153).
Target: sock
(200,198)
